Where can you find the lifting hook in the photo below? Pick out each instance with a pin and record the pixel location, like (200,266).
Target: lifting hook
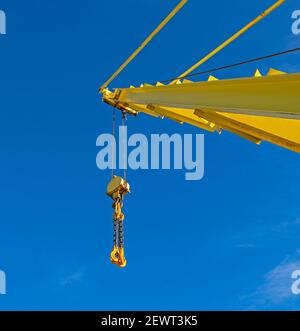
(116,189)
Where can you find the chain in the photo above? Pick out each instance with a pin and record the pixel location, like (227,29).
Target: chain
(116,223)
(118,229)
(115,233)
(121,236)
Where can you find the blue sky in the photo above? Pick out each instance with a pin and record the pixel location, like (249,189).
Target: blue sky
(228,241)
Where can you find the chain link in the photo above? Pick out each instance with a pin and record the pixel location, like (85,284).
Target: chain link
(121,234)
(115,233)
(118,233)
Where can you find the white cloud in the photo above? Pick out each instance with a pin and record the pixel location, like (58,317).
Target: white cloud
(72,278)
(276,289)
(246,245)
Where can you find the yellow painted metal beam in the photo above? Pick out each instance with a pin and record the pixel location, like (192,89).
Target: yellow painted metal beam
(232,38)
(258,108)
(176,114)
(282,132)
(274,96)
(184,116)
(145,43)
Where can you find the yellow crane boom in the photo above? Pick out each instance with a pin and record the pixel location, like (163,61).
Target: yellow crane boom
(257,108)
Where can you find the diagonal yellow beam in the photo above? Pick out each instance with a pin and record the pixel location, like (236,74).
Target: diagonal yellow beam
(232,38)
(274,96)
(183,116)
(282,132)
(145,43)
